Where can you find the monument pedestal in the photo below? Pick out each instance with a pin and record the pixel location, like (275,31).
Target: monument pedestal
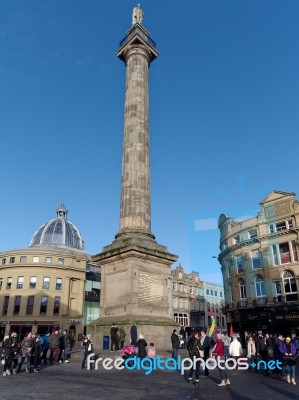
(135,288)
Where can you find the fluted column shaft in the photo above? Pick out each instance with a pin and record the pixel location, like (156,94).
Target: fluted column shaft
(135,213)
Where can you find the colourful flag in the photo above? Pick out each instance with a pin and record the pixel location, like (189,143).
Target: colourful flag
(212,331)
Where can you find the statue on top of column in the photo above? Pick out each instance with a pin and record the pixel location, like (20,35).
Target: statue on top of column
(138,15)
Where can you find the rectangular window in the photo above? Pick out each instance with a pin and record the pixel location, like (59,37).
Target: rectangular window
(256,259)
(32,284)
(48,260)
(23,259)
(12,260)
(5,305)
(275,254)
(56,305)
(43,305)
(212,292)
(20,282)
(215,292)
(3,261)
(17,305)
(174,287)
(30,305)
(220,294)
(281,226)
(60,261)
(58,284)
(252,234)
(46,283)
(1,283)
(284,250)
(207,291)
(8,283)
(35,259)
(240,263)
(290,223)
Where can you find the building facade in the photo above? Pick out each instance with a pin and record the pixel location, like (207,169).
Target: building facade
(259,263)
(185,288)
(43,286)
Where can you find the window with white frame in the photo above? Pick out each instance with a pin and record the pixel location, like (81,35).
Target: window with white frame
(260,286)
(8,283)
(35,259)
(186,304)
(20,282)
(284,253)
(242,288)
(256,258)
(48,260)
(32,283)
(175,303)
(280,226)
(58,284)
(181,303)
(46,282)
(60,261)
(289,285)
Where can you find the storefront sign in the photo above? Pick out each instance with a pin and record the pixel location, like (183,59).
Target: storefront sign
(75,320)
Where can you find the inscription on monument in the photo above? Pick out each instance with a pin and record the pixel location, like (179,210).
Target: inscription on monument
(150,288)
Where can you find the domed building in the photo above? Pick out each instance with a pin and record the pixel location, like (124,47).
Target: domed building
(43,286)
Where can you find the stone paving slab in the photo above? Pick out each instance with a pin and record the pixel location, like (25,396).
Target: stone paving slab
(70,382)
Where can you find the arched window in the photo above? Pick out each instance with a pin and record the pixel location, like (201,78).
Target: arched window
(242,288)
(289,284)
(260,286)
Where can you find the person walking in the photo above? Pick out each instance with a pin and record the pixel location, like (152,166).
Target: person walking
(54,346)
(205,346)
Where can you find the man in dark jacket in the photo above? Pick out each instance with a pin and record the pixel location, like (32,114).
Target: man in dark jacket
(175,342)
(114,337)
(193,348)
(205,345)
(261,349)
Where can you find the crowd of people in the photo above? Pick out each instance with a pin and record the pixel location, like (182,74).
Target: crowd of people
(35,351)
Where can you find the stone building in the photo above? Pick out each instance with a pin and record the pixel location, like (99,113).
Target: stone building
(42,286)
(259,263)
(185,288)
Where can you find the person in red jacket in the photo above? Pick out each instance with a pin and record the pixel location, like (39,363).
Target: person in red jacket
(218,353)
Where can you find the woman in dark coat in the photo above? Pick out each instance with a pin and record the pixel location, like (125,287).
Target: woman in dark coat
(141,345)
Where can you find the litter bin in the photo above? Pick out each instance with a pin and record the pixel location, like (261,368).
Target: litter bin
(105,342)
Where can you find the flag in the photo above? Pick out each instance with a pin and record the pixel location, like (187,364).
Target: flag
(212,330)
(231,332)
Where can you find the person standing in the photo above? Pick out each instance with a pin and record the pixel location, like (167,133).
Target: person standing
(122,337)
(88,349)
(26,345)
(251,350)
(218,352)
(54,346)
(288,351)
(175,342)
(227,341)
(235,348)
(205,345)
(193,348)
(261,350)
(36,350)
(63,344)
(114,337)
(45,343)
(141,345)
(133,333)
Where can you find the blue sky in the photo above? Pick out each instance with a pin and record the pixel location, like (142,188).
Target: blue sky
(224,116)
